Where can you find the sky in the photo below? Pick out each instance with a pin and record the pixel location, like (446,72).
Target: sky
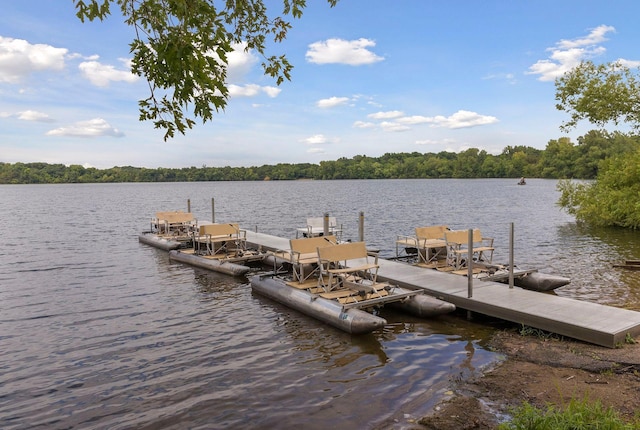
(370,77)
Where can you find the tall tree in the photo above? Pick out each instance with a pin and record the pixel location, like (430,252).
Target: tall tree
(181,48)
(602,94)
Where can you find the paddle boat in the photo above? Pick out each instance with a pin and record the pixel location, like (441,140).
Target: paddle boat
(220,247)
(170,230)
(337,283)
(445,250)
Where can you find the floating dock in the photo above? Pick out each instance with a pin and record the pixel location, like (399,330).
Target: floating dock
(590,322)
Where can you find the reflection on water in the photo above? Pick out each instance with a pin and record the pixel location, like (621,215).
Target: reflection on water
(99,331)
(589,258)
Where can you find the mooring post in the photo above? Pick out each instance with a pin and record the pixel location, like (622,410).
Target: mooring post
(511,239)
(470,265)
(189,205)
(213,210)
(361,227)
(325,225)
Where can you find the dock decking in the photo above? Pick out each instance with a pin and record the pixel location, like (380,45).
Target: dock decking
(591,322)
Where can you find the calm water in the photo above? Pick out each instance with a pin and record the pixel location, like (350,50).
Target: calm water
(99,331)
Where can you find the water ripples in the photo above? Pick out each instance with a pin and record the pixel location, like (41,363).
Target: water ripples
(98,331)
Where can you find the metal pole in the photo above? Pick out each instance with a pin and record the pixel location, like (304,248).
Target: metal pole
(361,227)
(511,256)
(325,225)
(213,210)
(189,205)
(470,265)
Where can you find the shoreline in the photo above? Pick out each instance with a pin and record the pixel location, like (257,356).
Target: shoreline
(540,369)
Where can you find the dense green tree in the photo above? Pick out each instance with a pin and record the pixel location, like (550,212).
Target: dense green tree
(602,94)
(181,46)
(612,200)
(561,159)
(558,159)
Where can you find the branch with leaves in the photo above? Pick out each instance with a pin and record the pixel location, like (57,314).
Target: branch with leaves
(601,94)
(181,47)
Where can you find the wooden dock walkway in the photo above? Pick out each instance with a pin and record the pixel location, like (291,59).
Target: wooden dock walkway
(591,322)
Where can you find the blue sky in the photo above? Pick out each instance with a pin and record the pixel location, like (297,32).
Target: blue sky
(370,77)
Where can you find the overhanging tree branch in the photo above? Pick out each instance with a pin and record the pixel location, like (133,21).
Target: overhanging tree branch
(181,48)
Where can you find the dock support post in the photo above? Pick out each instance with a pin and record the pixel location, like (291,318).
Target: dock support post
(325,224)
(470,265)
(213,210)
(511,256)
(361,227)
(188,205)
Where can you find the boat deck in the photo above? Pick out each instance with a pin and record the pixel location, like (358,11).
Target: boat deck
(591,322)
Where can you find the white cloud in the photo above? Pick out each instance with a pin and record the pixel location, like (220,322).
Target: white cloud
(102,75)
(332,102)
(93,128)
(415,119)
(316,139)
(596,36)
(351,52)
(319,139)
(271,91)
(393,126)
(239,62)
(251,90)
(461,119)
(32,115)
(629,63)
(567,54)
(386,115)
(19,58)
(362,124)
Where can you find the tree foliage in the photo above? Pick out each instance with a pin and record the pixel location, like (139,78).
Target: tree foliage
(181,48)
(601,94)
(561,159)
(612,200)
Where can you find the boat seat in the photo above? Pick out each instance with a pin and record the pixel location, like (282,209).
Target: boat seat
(428,243)
(408,244)
(315,227)
(220,239)
(304,255)
(457,245)
(431,243)
(348,265)
(173,223)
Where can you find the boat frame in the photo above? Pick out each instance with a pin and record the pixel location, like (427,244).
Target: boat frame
(350,308)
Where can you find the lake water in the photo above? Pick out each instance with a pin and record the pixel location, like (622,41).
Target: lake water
(100,331)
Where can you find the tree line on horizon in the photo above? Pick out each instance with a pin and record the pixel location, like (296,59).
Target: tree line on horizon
(561,159)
